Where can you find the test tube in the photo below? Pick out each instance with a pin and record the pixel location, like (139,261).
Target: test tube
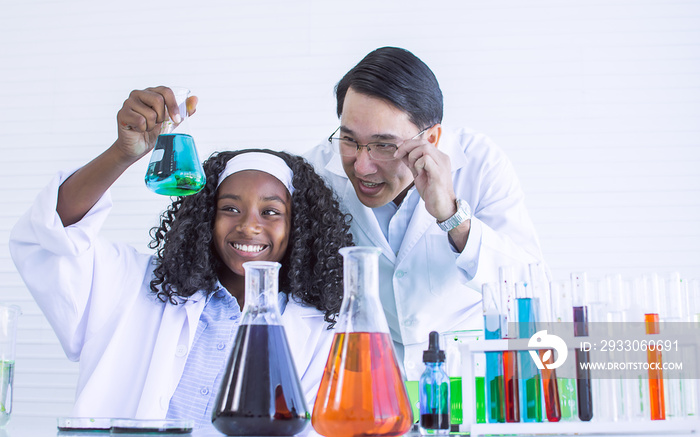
(677,305)
(510,358)
(618,301)
(584,395)
(602,389)
(639,388)
(562,301)
(677,299)
(540,292)
(531,389)
(653,306)
(493,319)
(480,395)
(615,316)
(692,392)
(694,299)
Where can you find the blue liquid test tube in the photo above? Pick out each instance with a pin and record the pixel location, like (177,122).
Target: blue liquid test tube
(530,378)
(495,391)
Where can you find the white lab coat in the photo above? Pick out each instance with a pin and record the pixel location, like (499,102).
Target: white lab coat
(435,288)
(131,346)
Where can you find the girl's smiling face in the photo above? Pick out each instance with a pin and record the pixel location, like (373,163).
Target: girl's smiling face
(253,219)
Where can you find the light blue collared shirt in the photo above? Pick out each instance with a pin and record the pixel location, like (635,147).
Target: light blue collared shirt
(394,220)
(216,332)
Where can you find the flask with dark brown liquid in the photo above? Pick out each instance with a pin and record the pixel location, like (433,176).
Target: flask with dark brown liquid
(260,391)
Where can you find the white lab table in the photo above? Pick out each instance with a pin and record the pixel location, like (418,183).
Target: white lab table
(46,427)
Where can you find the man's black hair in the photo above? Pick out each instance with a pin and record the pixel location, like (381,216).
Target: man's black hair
(397,76)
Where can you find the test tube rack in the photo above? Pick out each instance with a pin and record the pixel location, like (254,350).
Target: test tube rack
(469,349)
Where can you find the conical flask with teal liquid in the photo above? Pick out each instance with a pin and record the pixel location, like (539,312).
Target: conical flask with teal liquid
(175,168)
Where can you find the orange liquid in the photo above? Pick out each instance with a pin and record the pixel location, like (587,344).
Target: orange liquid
(512,395)
(551,390)
(362,393)
(656,381)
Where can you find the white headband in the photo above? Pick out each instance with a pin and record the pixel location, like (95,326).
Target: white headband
(261,161)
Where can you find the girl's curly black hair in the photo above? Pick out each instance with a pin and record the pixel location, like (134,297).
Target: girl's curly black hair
(311,268)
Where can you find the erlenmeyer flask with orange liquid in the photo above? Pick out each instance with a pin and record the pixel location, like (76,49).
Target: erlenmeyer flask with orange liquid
(362,392)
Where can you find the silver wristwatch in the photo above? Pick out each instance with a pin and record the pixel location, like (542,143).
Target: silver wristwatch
(464,213)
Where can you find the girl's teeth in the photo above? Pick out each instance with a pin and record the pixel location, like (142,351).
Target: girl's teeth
(248,247)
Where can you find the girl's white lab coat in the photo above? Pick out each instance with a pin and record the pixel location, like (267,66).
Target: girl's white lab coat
(132,347)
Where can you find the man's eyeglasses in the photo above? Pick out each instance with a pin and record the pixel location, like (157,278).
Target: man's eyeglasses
(380,150)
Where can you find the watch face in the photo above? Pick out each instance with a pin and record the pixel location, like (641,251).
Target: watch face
(463,214)
(463,206)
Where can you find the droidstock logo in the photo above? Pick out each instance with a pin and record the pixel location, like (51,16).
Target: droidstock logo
(541,340)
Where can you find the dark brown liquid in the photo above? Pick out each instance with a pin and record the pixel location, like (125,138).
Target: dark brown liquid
(260,392)
(435,421)
(583,374)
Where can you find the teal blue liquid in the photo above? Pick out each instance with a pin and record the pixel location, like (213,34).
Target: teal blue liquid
(175,169)
(530,379)
(495,390)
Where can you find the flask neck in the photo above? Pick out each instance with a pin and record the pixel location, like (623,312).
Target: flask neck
(169,125)
(361,274)
(361,310)
(261,288)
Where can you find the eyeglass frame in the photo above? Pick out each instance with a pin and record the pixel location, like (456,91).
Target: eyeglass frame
(369,151)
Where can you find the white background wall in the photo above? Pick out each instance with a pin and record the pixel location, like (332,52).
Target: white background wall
(597,103)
